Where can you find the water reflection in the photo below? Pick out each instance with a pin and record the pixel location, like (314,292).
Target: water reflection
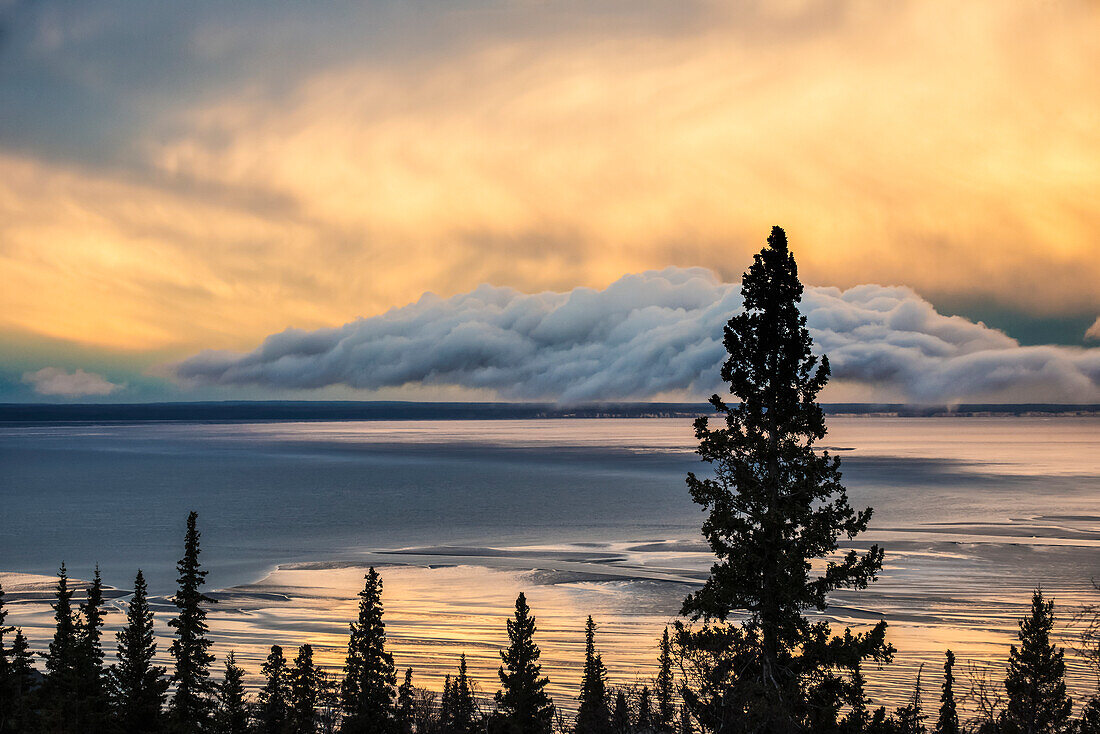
(586,516)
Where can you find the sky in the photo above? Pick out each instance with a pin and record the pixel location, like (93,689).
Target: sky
(352,199)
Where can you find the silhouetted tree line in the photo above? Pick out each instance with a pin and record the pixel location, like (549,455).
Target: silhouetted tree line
(78,692)
(775,503)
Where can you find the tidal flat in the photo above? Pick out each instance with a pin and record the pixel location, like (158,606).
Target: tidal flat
(586,516)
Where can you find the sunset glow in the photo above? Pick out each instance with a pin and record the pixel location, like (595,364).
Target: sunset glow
(233,181)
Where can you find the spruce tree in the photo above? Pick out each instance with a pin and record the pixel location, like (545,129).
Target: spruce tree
(663,685)
(446,707)
(275,695)
(305,691)
(231,714)
(620,717)
(9,695)
(463,706)
(775,505)
(522,698)
(20,716)
(948,720)
(92,694)
(369,679)
(60,686)
(593,715)
(1035,684)
(645,711)
(137,686)
(7,681)
(405,699)
(192,704)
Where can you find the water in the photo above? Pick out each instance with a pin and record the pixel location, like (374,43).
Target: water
(588,516)
(278,492)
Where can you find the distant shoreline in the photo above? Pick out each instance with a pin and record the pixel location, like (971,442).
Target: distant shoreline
(285,410)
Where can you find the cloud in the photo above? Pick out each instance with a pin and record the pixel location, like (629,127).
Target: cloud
(651,334)
(204,174)
(56,381)
(1093,333)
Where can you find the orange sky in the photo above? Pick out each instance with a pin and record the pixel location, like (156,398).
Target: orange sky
(209,185)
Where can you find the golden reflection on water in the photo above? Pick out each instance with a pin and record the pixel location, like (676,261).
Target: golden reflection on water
(435,613)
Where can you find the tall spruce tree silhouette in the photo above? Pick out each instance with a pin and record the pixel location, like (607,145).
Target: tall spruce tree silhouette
(274,710)
(192,703)
(60,686)
(406,694)
(91,688)
(620,717)
(948,720)
(306,679)
(231,714)
(593,714)
(644,721)
(463,706)
(446,706)
(367,691)
(663,685)
(522,698)
(775,505)
(20,714)
(406,699)
(137,686)
(9,693)
(1035,683)
(7,681)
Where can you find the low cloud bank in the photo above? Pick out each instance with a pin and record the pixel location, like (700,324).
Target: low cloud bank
(56,381)
(654,333)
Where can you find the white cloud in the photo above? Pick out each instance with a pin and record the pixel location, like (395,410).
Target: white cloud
(654,333)
(56,381)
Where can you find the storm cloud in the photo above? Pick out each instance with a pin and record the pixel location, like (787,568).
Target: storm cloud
(656,333)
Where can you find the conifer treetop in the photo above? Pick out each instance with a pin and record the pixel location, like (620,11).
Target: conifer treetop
(522,697)
(775,506)
(593,715)
(137,686)
(191,704)
(1035,683)
(774,502)
(367,691)
(948,720)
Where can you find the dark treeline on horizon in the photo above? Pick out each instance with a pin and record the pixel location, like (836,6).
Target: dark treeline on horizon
(308,410)
(775,503)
